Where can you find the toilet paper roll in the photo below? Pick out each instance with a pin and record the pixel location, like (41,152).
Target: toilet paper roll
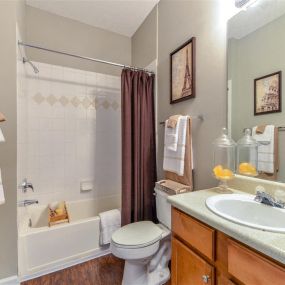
(2,197)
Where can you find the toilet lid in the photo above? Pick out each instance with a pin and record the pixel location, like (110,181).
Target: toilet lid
(138,234)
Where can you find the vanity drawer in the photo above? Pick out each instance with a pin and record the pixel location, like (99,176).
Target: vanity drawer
(251,268)
(198,235)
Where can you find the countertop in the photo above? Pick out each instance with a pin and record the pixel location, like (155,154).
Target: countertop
(193,203)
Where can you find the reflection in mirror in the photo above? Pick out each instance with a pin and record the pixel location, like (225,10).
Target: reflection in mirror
(256,69)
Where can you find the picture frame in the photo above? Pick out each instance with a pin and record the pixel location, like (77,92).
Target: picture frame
(182,72)
(268,94)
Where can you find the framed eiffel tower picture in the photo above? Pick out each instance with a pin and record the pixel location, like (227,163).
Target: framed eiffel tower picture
(182,72)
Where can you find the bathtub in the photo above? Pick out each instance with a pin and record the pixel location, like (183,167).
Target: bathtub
(43,249)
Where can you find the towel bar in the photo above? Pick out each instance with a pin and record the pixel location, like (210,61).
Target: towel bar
(199,117)
(280,129)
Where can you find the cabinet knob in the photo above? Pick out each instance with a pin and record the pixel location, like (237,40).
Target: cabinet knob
(205,278)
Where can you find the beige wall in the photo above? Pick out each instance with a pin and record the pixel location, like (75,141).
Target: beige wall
(247,61)
(64,34)
(10,13)
(177,22)
(144,41)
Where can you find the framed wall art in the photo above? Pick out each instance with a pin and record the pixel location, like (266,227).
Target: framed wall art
(267,94)
(182,72)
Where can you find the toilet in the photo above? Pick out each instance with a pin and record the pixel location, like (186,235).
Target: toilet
(146,247)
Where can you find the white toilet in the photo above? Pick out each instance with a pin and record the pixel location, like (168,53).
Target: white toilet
(146,247)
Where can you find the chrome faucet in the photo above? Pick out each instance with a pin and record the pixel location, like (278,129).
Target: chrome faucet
(26,185)
(27,202)
(267,199)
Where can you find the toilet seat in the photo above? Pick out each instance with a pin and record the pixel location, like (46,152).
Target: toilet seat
(137,235)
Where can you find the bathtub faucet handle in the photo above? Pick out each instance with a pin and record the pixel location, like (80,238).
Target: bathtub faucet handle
(26,185)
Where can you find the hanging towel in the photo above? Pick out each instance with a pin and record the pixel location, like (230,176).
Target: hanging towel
(265,148)
(171,135)
(110,221)
(2,139)
(2,197)
(2,117)
(187,177)
(174,159)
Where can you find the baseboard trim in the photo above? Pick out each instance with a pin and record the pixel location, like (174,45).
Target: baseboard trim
(13,280)
(60,267)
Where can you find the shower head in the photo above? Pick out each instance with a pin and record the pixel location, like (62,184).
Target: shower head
(31,64)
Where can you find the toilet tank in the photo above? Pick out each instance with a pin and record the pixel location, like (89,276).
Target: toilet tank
(163,208)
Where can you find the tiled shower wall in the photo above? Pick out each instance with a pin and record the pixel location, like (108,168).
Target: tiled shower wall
(69,131)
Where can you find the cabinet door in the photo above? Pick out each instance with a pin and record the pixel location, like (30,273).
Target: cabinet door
(187,268)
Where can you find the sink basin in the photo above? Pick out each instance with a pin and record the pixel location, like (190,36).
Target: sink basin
(242,209)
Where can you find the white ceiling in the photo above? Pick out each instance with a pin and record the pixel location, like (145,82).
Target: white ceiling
(119,16)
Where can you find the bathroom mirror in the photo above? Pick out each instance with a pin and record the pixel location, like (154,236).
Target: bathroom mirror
(256,70)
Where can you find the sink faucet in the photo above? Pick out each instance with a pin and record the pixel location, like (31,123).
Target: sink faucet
(27,202)
(26,185)
(267,199)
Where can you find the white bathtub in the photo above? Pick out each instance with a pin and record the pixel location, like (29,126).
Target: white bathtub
(44,249)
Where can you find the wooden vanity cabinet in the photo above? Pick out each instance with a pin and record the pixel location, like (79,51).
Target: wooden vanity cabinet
(189,268)
(202,255)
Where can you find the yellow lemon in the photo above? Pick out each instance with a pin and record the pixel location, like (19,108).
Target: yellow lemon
(243,167)
(227,174)
(221,173)
(247,169)
(218,170)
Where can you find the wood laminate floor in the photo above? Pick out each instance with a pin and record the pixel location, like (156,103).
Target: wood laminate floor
(106,270)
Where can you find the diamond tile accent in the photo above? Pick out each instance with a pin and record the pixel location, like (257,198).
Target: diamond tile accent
(75,101)
(38,98)
(63,100)
(51,99)
(106,104)
(115,105)
(85,103)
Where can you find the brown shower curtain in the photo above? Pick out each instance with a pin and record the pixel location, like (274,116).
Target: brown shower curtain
(138,146)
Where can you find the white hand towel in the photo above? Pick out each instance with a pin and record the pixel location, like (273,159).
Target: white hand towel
(265,148)
(2,197)
(171,136)
(2,139)
(110,221)
(173,161)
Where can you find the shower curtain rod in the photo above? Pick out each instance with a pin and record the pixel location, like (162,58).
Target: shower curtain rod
(83,57)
